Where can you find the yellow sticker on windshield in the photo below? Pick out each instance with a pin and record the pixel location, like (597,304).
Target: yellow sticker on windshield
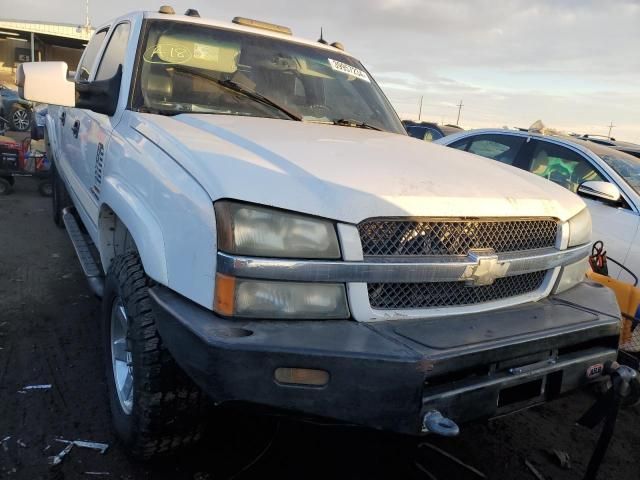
(348,69)
(206,53)
(167,53)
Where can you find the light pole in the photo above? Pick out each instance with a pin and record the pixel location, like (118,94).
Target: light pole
(460,105)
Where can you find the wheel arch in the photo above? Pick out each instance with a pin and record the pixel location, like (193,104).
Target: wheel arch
(122,228)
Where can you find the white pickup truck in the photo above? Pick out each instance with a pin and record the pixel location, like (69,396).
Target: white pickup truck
(262,231)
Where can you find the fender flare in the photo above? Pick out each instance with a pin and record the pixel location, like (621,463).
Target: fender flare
(145,229)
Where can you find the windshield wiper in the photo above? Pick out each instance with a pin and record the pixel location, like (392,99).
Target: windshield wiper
(347,122)
(160,111)
(236,87)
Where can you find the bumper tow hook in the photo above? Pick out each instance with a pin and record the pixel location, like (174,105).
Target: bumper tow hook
(434,422)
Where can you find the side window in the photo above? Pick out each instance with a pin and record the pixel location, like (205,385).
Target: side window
(414,132)
(431,134)
(461,144)
(503,148)
(85,67)
(424,133)
(114,54)
(562,165)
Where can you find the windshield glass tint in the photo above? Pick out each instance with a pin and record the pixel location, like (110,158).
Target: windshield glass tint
(187,68)
(626,166)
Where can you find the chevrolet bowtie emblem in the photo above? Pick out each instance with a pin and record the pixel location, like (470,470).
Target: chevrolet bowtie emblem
(486,270)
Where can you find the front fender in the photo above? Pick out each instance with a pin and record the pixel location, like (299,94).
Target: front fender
(142,225)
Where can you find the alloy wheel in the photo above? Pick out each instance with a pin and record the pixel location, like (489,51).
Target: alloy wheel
(21,119)
(121,356)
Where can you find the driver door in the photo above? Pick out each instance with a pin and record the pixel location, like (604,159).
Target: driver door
(91,131)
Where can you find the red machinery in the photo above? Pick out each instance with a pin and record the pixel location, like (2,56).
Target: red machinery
(18,160)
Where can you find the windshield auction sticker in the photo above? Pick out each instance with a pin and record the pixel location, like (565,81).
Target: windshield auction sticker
(348,69)
(167,53)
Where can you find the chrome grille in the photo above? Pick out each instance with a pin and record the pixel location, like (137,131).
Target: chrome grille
(389,296)
(388,237)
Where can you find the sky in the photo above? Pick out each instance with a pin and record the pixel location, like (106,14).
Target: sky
(574,64)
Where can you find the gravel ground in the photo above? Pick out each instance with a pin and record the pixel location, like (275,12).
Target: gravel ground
(49,335)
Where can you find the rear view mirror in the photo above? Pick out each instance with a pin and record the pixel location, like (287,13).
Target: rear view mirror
(600,190)
(46,82)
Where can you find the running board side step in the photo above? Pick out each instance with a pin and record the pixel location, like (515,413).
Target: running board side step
(83,245)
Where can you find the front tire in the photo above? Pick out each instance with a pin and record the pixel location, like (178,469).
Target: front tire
(155,407)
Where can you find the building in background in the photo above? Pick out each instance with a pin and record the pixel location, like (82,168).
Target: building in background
(24,41)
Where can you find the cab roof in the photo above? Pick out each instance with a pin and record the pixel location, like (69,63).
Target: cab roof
(174,17)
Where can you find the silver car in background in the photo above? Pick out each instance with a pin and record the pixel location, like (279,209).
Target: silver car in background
(608,179)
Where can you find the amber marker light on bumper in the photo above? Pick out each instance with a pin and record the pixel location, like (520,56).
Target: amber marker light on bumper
(302,376)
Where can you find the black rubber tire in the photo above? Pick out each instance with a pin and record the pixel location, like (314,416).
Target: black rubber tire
(45,187)
(60,198)
(14,125)
(168,409)
(5,187)
(4,122)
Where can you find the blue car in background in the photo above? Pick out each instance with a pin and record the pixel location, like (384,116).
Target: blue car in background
(429,131)
(38,121)
(15,110)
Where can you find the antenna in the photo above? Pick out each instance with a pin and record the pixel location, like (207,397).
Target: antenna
(611,125)
(321,39)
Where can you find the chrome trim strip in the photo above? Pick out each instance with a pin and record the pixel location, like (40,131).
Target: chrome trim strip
(399,269)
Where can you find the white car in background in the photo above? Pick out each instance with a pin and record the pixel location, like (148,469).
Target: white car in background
(608,179)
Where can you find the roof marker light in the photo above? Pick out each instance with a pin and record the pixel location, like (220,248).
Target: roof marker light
(192,12)
(248,22)
(166,9)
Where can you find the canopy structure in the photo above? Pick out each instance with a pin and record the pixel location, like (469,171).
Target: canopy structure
(26,40)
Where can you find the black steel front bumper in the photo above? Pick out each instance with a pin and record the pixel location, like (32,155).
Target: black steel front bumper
(387,375)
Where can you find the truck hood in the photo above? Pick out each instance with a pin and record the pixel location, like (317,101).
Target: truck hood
(347,174)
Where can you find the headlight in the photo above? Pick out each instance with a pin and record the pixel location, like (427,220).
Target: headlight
(265,232)
(580,229)
(238,297)
(579,234)
(257,231)
(571,275)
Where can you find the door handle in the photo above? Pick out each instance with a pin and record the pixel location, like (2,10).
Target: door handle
(63,118)
(76,128)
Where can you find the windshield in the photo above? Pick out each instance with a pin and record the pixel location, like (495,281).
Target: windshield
(188,68)
(627,166)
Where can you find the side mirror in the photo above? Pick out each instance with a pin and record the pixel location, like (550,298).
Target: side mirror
(100,96)
(46,82)
(600,190)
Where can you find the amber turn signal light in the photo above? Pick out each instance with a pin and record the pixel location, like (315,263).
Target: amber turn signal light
(302,376)
(224,302)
